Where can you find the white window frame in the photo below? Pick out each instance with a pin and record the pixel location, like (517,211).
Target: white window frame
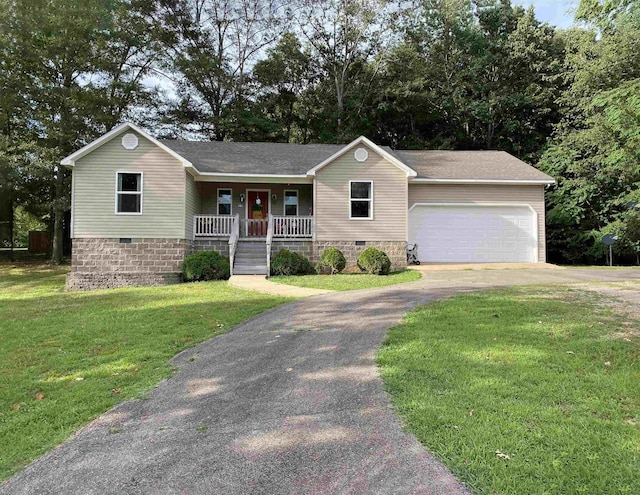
(141,193)
(370,217)
(218,201)
(284,202)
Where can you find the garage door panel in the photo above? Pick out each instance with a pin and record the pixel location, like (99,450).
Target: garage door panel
(473,233)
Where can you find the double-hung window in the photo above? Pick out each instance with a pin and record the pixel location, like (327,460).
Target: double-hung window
(361,200)
(129,193)
(224,201)
(291,203)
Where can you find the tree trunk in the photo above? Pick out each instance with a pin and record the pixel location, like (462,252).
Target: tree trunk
(58,216)
(289,121)
(490,133)
(12,209)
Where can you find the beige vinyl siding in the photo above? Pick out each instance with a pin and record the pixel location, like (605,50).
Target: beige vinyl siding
(163,201)
(446,193)
(209,192)
(389,200)
(193,204)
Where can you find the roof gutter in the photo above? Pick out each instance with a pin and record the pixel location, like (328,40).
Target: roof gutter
(523,182)
(265,178)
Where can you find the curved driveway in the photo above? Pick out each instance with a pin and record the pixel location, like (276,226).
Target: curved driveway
(288,402)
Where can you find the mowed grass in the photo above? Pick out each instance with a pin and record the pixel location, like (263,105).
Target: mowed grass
(65,358)
(523,391)
(348,281)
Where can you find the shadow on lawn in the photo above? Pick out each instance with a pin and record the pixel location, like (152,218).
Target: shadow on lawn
(540,380)
(87,351)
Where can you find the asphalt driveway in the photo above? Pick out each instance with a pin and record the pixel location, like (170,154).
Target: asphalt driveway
(288,402)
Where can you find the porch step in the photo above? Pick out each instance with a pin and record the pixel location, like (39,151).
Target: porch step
(250,258)
(249,269)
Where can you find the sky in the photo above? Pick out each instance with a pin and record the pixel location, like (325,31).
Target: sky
(556,12)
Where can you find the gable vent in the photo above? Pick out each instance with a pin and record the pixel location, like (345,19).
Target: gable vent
(129,141)
(361,155)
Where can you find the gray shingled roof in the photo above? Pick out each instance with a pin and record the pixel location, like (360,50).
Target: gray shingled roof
(253,158)
(297,159)
(482,165)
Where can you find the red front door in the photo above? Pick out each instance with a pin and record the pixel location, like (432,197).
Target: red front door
(257,212)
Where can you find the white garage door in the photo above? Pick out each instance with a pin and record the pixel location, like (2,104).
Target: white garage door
(473,233)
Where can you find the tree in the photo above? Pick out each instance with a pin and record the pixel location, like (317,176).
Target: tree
(345,36)
(283,77)
(470,76)
(212,45)
(596,149)
(83,64)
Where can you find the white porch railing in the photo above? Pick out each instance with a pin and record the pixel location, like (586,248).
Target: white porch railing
(293,227)
(212,225)
(269,239)
(233,240)
(281,227)
(252,227)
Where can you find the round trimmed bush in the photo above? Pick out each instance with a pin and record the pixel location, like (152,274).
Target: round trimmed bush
(287,262)
(205,265)
(333,259)
(374,261)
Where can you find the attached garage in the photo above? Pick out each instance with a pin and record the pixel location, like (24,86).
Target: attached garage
(474,232)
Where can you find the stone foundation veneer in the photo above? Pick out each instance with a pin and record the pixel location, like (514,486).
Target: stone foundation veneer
(93,281)
(305,248)
(396,250)
(98,263)
(221,245)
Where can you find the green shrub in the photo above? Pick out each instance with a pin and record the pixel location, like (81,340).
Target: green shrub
(205,265)
(287,262)
(374,261)
(333,260)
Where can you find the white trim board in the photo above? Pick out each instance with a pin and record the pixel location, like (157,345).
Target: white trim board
(284,201)
(253,178)
(363,140)
(218,201)
(496,204)
(370,200)
(246,201)
(131,193)
(70,160)
(484,181)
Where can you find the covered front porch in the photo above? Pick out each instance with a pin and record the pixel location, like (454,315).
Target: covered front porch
(254,210)
(247,220)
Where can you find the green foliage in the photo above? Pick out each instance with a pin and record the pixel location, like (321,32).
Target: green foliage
(596,149)
(467,78)
(23,223)
(540,375)
(205,265)
(333,260)
(287,262)
(87,345)
(284,76)
(374,261)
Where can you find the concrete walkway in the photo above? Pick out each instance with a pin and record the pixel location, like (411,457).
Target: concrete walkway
(290,402)
(261,284)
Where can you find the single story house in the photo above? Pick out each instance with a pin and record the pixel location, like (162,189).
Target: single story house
(139,205)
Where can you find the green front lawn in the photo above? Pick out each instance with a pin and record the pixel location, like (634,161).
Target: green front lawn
(527,391)
(348,281)
(65,358)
